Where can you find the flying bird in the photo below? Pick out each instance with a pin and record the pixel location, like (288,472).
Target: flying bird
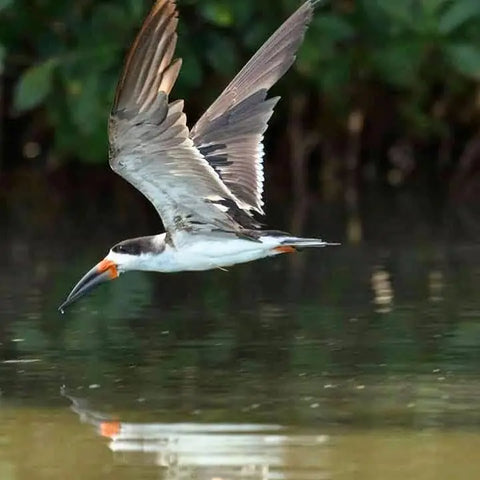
(205,183)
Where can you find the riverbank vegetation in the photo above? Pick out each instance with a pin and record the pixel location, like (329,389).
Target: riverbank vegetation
(384,92)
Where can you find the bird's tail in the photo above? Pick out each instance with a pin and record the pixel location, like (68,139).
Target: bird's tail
(293,244)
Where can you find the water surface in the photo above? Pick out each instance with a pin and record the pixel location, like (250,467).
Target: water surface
(360,362)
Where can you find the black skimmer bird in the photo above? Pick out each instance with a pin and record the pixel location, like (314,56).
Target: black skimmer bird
(206,183)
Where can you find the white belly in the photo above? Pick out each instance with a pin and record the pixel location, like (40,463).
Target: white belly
(209,253)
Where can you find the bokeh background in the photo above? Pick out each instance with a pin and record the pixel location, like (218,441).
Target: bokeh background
(384,98)
(376,144)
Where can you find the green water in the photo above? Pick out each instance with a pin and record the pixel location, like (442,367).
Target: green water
(360,362)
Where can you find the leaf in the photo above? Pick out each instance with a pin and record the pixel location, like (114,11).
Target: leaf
(5,4)
(34,86)
(410,15)
(458,14)
(464,58)
(432,7)
(84,100)
(218,13)
(401,11)
(398,64)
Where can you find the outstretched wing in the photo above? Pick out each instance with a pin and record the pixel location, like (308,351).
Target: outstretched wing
(230,133)
(150,146)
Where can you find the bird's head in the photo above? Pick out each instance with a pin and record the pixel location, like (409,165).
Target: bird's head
(124,256)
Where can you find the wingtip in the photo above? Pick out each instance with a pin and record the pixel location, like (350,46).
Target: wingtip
(161,3)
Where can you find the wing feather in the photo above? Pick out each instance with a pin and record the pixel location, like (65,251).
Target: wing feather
(150,144)
(230,133)
(212,177)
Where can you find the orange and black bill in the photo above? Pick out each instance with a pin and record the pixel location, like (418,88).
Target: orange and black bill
(102,272)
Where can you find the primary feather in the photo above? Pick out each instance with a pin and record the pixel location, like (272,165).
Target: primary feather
(212,177)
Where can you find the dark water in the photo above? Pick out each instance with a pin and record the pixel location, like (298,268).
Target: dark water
(361,362)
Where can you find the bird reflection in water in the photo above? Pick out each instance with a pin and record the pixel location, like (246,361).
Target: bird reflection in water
(210,451)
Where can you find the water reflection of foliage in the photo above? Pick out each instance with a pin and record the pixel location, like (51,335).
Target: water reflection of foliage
(244,332)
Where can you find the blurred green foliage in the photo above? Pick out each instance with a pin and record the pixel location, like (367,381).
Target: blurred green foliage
(61,60)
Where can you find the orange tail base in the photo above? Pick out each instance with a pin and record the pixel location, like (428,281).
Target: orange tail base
(285,249)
